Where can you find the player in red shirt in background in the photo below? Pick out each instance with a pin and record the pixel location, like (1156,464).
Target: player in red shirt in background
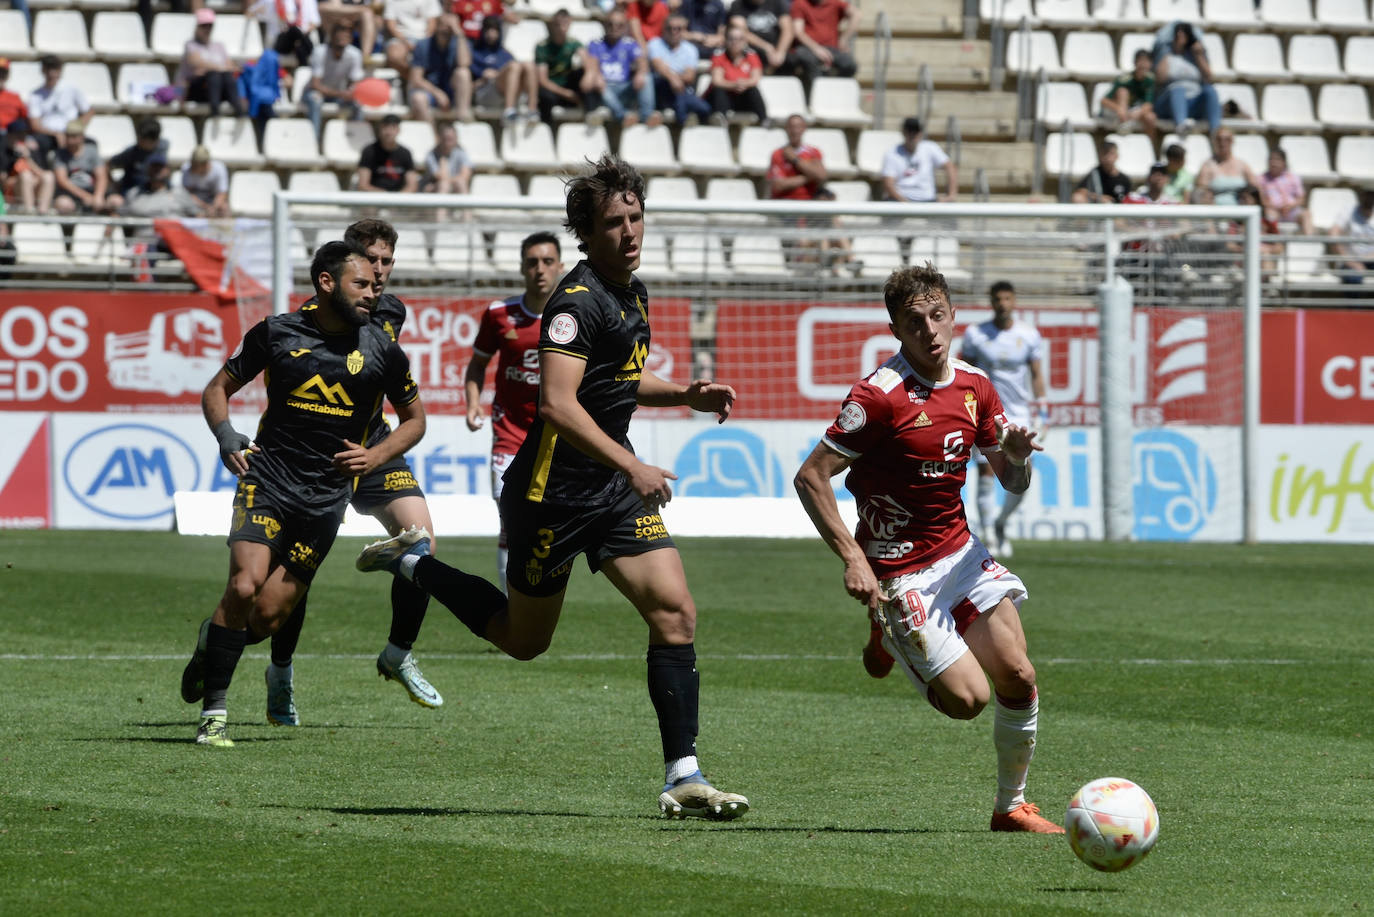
(939,602)
(510,328)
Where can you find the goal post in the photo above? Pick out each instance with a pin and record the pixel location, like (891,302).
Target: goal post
(784,301)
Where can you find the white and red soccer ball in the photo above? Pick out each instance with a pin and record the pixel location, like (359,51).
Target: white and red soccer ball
(1111,824)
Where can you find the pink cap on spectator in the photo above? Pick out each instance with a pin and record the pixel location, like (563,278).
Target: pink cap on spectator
(205,16)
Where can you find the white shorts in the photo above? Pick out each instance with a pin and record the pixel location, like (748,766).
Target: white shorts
(500,461)
(932,607)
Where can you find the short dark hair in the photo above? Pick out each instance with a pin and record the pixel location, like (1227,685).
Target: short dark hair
(50,62)
(905,284)
(1175,151)
(911,126)
(610,177)
(1250,190)
(1141,52)
(391,119)
(364,232)
(330,259)
(542,237)
(1001,286)
(1159,168)
(1105,147)
(149,129)
(1280,152)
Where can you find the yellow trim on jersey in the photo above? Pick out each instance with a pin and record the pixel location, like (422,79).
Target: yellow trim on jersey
(580,356)
(542,462)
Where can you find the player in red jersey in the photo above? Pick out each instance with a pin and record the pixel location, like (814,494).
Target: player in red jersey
(510,328)
(939,602)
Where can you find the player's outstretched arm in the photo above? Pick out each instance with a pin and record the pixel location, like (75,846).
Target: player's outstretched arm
(1012,463)
(214,404)
(701,395)
(813,488)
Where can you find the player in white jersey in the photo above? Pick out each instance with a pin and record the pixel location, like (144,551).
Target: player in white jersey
(1011,352)
(937,600)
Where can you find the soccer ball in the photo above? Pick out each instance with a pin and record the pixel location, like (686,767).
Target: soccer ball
(1111,824)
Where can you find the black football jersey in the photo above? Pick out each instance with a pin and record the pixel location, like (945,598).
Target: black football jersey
(389,315)
(607,325)
(321,389)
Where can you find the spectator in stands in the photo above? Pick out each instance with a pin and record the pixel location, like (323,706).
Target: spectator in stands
(448,168)
(675,61)
(24,178)
(558,65)
(908,169)
(356,16)
(12,107)
(334,69)
(1179,188)
(1224,174)
(206,182)
(824,32)
(80,179)
(1357,254)
(1105,184)
(617,83)
(470,15)
(796,172)
(158,198)
(497,77)
(54,105)
(1155,188)
(705,24)
(261,82)
(133,161)
(440,75)
(735,74)
(406,24)
(385,165)
(1284,194)
(206,73)
(1183,80)
(1130,100)
(297,18)
(1250,196)
(768,29)
(647,19)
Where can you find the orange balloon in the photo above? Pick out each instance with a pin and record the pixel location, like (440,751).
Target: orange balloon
(372,92)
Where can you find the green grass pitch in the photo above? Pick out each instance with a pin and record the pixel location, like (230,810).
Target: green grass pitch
(1233,683)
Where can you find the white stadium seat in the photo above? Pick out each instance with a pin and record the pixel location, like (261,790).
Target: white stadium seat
(479,141)
(528,147)
(1007,12)
(93,243)
(1287,107)
(1315,57)
(1244,97)
(834,147)
(1216,56)
(412,250)
(1344,107)
(25,77)
(250,192)
(93,79)
(111,133)
(14,35)
(1355,158)
(872,148)
(1063,13)
(1060,102)
(232,141)
(1135,155)
(586,31)
(1162,11)
(119,36)
(578,142)
(881,254)
(547,189)
(343,142)
(1119,13)
(1308,157)
(316,182)
(650,149)
(1286,13)
(1253,150)
(749,255)
(1343,15)
(180,133)
(135,83)
(1258,57)
(756,146)
(1359,58)
(1132,42)
(61,32)
(1197,149)
(290,143)
(1042,53)
(671,188)
(170,33)
(836,101)
(707,147)
(1231,15)
(783,97)
(1070,154)
(736,190)
(1090,56)
(38,243)
(521,38)
(241,36)
(418,137)
(1330,206)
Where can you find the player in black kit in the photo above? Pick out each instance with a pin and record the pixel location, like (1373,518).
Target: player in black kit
(327,368)
(389,493)
(576,487)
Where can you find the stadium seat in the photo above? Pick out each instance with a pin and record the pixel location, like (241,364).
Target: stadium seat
(1315,57)
(93,243)
(521,38)
(412,250)
(1216,56)
(672,188)
(943,252)
(343,142)
(1258,57)
(1041,54)
(1308,158)
(528,147)
(756,146)
(289,143)
(1060,102)
(111,133)
(462,248)
(688,253)
(232,142)
(1355,158)
(1197,149)
(241,36)
(578,142)
(250,192)
(654,257)
(834,147)
(1231,15)
(783,97)
(1330,206)
(1359,58)
(1089,56)
(707,148)
(316,182)
(880,253)
(836,101)
(493,185)
(135,84)
(1343,107)
(38,243)
(586,31)
(479,141)
(851,192)
(1008,12)
(545,9)
(748,255)
(418,137)
(25,77)
(649,148)
(1119,13)
(1306,262)
(1343,15)
(14,35)
(1071,154)
(93,79)
(61,32)
(1244,97)
(1287,107)
(736,190)
(547,189)
(505,250)
(1135,155)
(1162,11)
(1130,43)
(872,147)
(1253,150)
(119,36)
(1063,14)
(1287,14)
(170,33)
(180,133)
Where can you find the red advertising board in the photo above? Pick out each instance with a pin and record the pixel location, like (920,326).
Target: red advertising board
(1318,367)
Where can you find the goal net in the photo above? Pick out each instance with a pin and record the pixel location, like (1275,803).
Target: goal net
(784,302)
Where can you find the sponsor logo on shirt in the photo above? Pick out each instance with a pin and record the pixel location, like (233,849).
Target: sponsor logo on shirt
(884,516)
(320,397)
(923,420)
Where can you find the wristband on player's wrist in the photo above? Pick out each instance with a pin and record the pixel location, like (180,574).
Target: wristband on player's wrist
(1021,464)
(223,430)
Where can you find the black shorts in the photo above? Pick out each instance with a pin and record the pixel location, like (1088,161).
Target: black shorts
(298,540)
(545,538)
(392,480)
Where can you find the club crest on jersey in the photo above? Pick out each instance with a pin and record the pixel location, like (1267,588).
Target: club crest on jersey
(563,328)
(354,362)
(971,405)
(852,417)
(922,420)
(884,516)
